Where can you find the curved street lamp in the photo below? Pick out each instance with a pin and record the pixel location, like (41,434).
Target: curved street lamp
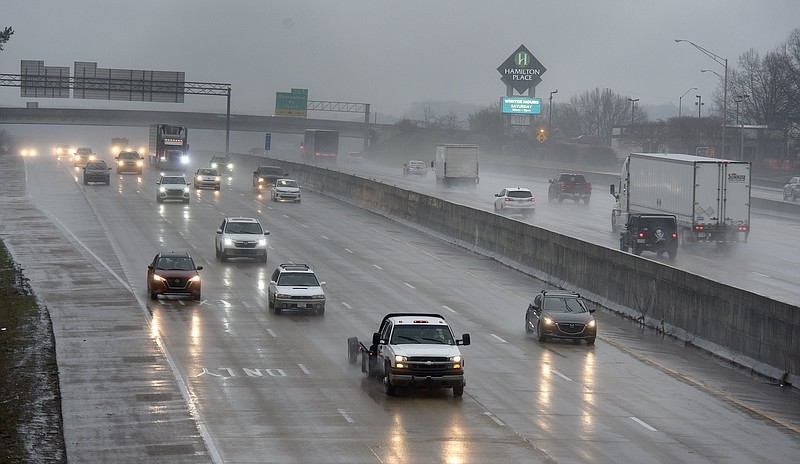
(633,106)
(680,100)
(550,115)
(724,62)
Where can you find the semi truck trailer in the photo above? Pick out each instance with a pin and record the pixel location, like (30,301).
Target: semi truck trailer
(710,198)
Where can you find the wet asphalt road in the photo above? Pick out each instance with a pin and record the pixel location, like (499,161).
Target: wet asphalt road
(224,380)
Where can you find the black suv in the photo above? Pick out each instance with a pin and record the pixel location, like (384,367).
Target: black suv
(650,232)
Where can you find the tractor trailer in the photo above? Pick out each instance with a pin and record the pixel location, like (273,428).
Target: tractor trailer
(169,147)
(710,198)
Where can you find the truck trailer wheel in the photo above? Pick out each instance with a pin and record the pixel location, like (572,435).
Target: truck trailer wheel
(352,350)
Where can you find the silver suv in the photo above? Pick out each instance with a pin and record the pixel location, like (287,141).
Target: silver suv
(295,286)
(172,188)
(241,237)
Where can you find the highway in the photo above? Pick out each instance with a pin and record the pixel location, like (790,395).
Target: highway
(261,387)
(767,264)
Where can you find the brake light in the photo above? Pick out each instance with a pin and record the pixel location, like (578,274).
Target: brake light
(641,234)
(743,228)
(699,227)
(674,235)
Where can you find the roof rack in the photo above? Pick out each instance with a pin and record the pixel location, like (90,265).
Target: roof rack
(295,267)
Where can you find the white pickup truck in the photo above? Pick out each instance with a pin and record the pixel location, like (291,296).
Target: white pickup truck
(413,350)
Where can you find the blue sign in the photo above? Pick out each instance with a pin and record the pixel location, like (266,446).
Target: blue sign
(267,141)
(521,105)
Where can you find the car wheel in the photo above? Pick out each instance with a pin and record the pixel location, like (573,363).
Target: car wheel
(458,392)
(108,182)
(785,196)
(560,198)
(264,258)
(223,256)
(550,198)
(636,250)
(528,325)
(216,251)
(388,386)
(586,200)
(186,200)
(321,311)
(276,309)
(590,341)
(622,246)
(270,304)
(542,337)
(158,199)
(153,296)
(197,296)
(672,253)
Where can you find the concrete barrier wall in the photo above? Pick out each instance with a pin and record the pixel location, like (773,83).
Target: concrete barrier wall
(747,328)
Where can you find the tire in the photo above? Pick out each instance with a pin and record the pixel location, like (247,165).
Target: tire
(560,199)
(223,257)
(528,326)
(108,182)
(388,387)
(270,304)
(622,246)
(321,311)
(153,296)
(672,253)
(550,198)
(586,200)
(785,196)
(158,199)
(542,337)
(197,297)
(276,309)
(365,363)
(186,200)
(216,252)
(352,350)
(458,392)
(636,250)
(264,258)
(590,341)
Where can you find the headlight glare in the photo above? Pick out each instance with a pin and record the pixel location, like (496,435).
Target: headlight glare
(548,321)
(398,358)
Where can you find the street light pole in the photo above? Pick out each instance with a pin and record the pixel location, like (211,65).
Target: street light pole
(633,106)
(680,100)
(739,99)
(699,103)
(550,115)
(724,62)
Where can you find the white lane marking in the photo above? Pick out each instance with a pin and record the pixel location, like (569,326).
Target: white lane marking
(286,216)
(643,424)
(495,419)
(448,308)
(561,375)
(346,417)
(760,274)
(326,238)
(791,261)
(246,304)
(377,267)
(408,285)
(303,225)
(344,303)
(501,340)
(348,250)
(272,333)
(304,369)
(180,302)
(183,386)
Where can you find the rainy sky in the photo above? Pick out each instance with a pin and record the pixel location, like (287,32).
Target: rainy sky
(393,54)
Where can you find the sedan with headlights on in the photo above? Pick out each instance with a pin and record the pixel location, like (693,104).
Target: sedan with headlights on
(205,177)
(560,314)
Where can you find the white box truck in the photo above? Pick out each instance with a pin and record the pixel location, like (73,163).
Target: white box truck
(456,164)
(710,198)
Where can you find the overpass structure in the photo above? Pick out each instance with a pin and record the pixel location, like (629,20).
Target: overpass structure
(193,120)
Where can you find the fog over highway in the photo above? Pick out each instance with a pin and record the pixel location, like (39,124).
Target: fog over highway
(260,387)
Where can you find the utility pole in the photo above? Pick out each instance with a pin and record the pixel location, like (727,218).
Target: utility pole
(633,107)
(550,115)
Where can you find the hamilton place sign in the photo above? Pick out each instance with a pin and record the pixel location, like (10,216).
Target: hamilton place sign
(521,70)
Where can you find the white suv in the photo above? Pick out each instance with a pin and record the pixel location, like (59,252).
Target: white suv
(172,188)
(515,199)
(286,190)
(295,286)
(241,237)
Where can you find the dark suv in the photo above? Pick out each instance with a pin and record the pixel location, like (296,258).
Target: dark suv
(650,232)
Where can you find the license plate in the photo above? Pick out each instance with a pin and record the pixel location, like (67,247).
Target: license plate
(639,240)
(701,234)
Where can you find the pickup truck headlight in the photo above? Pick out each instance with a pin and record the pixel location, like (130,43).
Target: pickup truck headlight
(230,166)
(399,361)
(228,242)
(318,297)
(262,242)
(457,362)
(282,296)
(162,189)
(186,189)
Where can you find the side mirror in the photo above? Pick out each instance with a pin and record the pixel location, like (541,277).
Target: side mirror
(219,231)
(322,284)
(266,232)
(550,181)
(497,195)
(611,189)
(591,310)
(464,340)
(199,268)
(150,267)
(376,339)
(109,169)
(432,163)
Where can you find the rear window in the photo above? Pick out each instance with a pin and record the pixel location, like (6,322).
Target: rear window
(207,172)
(270,170)
(519,194)
(573,178)
(84,151)
(129,155)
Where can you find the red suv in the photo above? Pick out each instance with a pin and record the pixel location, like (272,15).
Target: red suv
(173,274)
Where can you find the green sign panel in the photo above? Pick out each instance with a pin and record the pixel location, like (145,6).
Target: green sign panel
(292,103)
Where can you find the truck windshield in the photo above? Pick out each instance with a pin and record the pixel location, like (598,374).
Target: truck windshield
(422,334)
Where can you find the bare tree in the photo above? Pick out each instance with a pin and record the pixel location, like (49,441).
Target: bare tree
(487,121)
(449,121)
(5,35)
(428,116)
(596,113)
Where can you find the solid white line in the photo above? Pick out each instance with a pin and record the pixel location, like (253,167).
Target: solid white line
(303,225)
(344,414)
(408,285)
(348,250)
(377,266)
(326,238)
(303,368)
(344,303)
(495,419)
(561,375)
(448,308)
(272,333)
(644,424)
(758,273)
(180,302)
(501,340)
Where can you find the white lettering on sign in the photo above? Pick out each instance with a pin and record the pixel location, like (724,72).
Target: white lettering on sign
(522,71)
(516,77)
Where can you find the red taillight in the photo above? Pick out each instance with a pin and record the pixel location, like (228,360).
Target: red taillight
(641,234)
(533,200)
(590,188)
(699,227)
(563,186)
(674,235)
(507,199)
(743,228)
